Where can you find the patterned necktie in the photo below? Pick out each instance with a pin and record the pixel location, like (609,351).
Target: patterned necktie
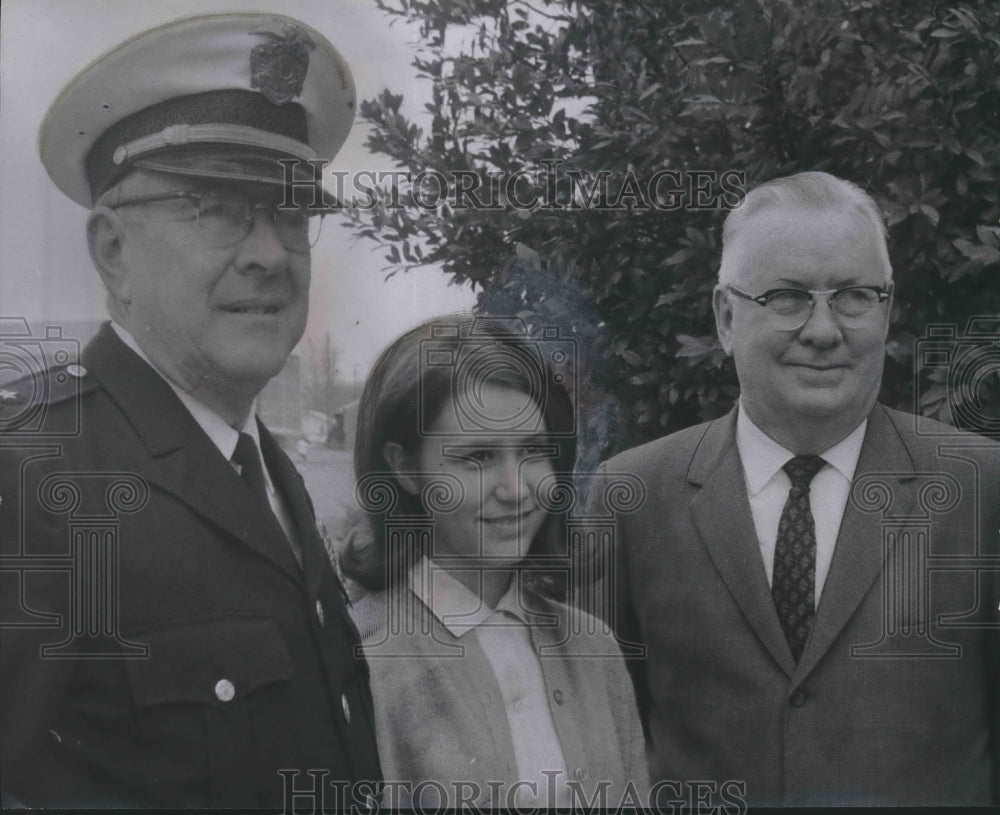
(794,580)
(251,469)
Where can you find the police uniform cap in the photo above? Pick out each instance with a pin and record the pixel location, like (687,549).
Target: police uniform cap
(219,96)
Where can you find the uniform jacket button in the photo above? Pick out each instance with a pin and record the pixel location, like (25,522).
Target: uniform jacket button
(320,614)
(580,774)
(224,690)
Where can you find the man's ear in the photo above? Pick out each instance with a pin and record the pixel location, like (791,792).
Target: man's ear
(723,308)
(398,461)
(105,235)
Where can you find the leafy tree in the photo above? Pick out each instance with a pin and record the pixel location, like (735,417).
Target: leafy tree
(900,96)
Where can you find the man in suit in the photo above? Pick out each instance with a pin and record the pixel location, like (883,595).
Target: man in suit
(813,576)
(173,634)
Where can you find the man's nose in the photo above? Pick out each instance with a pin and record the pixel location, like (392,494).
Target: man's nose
(822,328)
(262,245)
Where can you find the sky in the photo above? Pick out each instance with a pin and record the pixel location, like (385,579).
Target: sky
(46,275)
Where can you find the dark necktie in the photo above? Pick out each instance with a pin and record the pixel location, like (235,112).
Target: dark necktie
(793,584)
(248,458)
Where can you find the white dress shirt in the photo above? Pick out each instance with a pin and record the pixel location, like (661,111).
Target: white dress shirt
(505,638)
(224,437)
(768,486)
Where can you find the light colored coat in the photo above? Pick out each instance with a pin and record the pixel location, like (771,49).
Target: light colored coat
(440,716)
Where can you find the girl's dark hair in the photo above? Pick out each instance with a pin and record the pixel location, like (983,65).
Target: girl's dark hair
(413,380)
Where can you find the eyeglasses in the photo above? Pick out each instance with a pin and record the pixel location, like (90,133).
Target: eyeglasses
(225,218)
(790,309)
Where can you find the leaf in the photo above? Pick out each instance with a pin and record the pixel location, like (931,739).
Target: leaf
(695,346)
(679,257)
(985,255)
(976,156)
(527,253)
(989,235)
(668,299)
(931,213)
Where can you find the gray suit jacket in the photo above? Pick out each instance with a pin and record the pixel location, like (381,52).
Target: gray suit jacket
(895,698)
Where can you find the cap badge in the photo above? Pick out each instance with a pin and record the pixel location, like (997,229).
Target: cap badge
(278,67)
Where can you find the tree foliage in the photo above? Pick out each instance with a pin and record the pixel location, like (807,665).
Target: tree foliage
(899,96)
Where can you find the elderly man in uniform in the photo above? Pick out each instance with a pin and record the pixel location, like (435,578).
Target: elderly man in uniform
(813,575)
(173,633)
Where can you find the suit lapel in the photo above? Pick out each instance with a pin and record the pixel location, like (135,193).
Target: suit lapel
(858,556)
(721,512)
(183,461)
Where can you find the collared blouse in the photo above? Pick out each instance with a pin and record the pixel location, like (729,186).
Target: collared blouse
(452,733)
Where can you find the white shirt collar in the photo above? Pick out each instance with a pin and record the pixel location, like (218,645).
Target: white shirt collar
(457,608)
(222,434)
(763,457)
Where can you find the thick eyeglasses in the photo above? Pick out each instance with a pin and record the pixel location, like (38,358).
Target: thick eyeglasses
(790,309)
(225,218)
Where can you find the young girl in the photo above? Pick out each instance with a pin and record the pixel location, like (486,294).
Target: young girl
(488,693)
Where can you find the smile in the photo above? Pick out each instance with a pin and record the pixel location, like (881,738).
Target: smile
(809,367)
(509,519)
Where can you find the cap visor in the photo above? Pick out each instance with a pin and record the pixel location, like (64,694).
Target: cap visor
(246,167)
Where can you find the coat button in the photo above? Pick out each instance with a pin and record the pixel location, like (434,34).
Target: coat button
(346,707)
(320,614)
(224,690)
(558,696)
(798,698)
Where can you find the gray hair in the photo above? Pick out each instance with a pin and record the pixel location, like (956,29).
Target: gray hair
(131,184)
(814,190)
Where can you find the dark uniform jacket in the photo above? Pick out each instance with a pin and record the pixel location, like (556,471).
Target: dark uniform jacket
(160,645)
(895,698)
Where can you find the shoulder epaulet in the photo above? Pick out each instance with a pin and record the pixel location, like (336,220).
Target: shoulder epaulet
(25,402)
